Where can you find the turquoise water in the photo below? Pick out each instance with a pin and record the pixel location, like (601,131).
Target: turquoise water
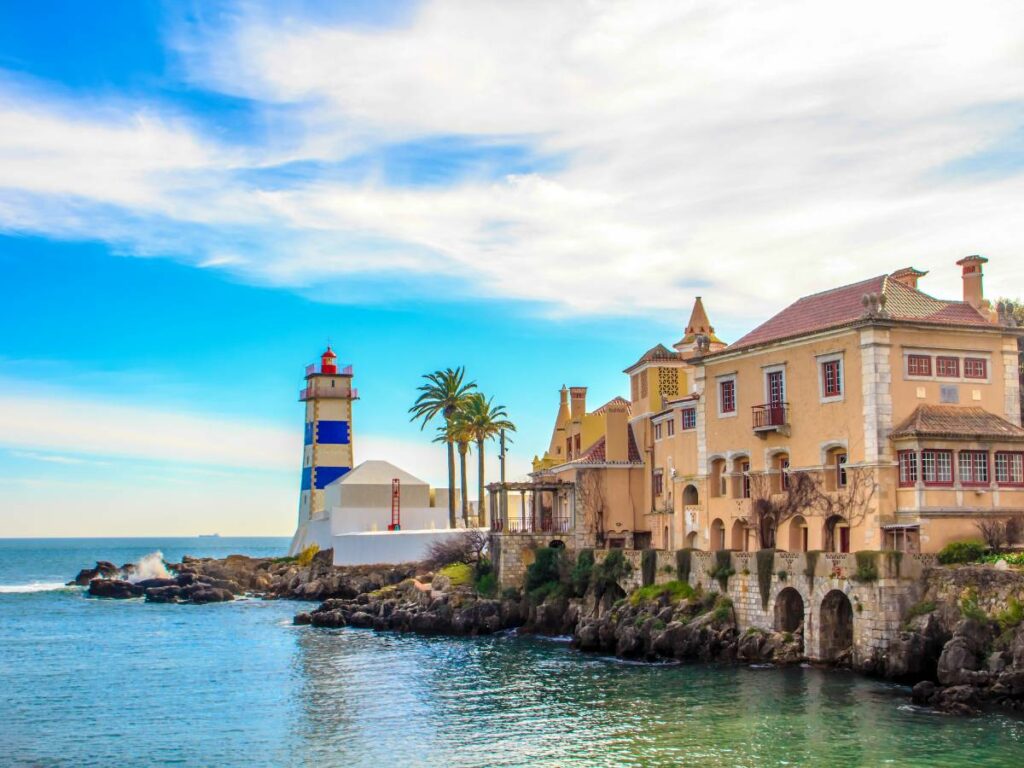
(91,682)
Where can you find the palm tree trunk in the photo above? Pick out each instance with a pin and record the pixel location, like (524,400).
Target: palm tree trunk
(482,501)
(451,484)
(462,469)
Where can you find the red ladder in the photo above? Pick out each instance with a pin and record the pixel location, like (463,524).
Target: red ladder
(396,505)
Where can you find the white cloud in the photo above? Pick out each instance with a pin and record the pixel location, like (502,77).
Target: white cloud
(803,143)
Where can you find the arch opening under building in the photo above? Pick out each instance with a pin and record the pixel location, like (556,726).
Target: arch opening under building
(835,626)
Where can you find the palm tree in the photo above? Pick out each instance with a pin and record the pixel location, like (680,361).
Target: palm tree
(456,433)
(482,421)
(443,393)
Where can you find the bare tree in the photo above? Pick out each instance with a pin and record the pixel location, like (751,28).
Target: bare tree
(806,495)
(591,499)
(467,547)
(1001,532)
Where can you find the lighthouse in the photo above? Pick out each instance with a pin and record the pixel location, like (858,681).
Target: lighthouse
(327,451)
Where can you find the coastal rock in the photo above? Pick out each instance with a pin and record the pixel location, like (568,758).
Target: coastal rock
(207,594)
(923,692)
(168,594)
(156,583)
(114,588)
(103,570)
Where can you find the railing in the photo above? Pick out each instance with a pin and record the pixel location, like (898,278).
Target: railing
(328,394)
(770,415)
(547,524)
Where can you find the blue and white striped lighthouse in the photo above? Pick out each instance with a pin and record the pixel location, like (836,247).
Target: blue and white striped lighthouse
(327,451)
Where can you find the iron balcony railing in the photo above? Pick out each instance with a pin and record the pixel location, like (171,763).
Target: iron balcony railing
(307,393)
(771,415)
(547,524)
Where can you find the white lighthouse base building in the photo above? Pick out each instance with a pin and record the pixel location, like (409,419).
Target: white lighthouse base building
(359,509)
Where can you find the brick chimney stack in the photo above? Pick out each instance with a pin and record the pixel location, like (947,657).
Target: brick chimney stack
(974,294)
(578,402)
(908,276)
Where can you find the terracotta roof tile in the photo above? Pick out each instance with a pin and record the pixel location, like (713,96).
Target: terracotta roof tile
(614,401)
(597,453)
(843,305)
(957,422)
(657,352)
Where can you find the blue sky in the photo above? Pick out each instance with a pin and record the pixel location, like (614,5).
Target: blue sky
(194,197)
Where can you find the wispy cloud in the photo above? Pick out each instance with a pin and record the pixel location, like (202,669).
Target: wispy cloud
(804,142)
(56,458)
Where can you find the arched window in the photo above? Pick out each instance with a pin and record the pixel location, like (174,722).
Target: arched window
(717,535)
(718,478)
(741,477)
(690,496)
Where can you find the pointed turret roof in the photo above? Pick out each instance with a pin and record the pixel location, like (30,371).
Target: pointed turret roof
(698,324)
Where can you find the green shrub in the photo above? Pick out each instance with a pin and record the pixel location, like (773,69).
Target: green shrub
(305,557)
(723,568)
(1012,558)
(582,572)
(765,560)
(918,609)
(657,625)
(487,585)
(970,609)
(610,571)
(783,574)
(970,551)
(546,567)
(683,564)
(1012,616)
(648,566)
(459,574)
(510,593)
(673,590)
(867,566)
(722,611)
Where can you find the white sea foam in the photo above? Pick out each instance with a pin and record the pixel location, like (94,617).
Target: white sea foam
(150,566)
(32,586)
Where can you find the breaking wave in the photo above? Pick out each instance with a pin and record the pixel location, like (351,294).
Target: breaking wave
(150,566)
(32,586)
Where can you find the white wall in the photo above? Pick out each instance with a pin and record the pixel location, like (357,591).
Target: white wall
(388,548)
(357,519)
(316,531)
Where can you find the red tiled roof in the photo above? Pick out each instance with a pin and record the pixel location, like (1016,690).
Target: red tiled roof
(957,422)
(597,453)
(657,352)
(614,401)
(843,305)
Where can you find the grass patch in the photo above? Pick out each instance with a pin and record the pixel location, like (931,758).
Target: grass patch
(922,608)
(722,611)
(459,574)
(673,590)
(970,609)
(1012,558)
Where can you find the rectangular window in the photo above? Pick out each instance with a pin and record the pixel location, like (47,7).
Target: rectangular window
(670,427)
(745,467)
(657,431)
(947,367)
(689,418)
(908,469)
(568,447)
(919,365)
(727,396)
(973,467)
(577,441)
(776,387)
(784,474)
(840,470)
(831,379)
(937,467)
(1009,468)
(658,484)
(643,385)
(975,368)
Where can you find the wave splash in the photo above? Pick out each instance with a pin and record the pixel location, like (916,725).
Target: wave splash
(32,586)
(150,566)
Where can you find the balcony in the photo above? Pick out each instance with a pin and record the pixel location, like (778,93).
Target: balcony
(771,417)
(547,524)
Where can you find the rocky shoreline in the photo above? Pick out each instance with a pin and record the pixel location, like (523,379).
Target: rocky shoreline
(961,647)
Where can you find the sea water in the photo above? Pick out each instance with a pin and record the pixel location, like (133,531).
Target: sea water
(100,682)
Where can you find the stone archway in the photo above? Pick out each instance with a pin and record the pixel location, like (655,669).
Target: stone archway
(690,496)
(738,540)
(835,627)
(717,535)
(789,611)
(691,540)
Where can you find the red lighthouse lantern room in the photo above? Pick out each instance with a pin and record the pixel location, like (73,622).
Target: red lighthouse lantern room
(328,361)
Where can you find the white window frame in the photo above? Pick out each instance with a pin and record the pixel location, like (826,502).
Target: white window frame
(765,372)
(820,360)
(719,380)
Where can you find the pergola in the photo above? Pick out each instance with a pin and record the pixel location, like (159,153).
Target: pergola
(551,507)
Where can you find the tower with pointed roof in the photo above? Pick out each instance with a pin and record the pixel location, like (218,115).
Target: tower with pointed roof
(327,450)
(699,325)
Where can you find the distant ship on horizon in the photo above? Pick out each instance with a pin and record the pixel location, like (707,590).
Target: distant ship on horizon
(209,535)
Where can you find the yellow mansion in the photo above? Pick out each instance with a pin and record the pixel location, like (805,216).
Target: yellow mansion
(869,416)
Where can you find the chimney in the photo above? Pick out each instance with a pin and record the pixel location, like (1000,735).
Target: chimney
(616,447)
(908,276)
(578,400)
(974,294)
